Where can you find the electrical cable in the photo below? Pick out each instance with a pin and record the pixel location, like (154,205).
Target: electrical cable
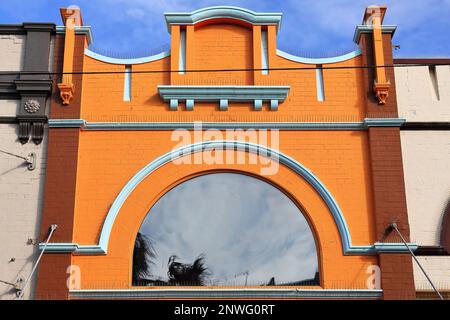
(12,73)
(394,226)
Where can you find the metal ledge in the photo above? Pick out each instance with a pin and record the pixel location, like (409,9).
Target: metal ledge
(363,28)
(210,293)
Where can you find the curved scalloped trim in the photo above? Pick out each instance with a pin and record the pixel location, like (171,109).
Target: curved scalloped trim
(106,59)
(341,58)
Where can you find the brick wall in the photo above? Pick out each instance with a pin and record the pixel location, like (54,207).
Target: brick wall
(416,100)
(12,53)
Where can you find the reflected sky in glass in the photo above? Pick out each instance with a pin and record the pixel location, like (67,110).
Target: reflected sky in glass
(248,231)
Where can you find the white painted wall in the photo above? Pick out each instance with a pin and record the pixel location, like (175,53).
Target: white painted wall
(21,196)
(437,268)
(12,52)
(426,163)
(415,97)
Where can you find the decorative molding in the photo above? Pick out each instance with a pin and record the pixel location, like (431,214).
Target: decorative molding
(106,59)
(32,106)
(221,293)
(175,93)
(223,12)
(27,26)
(72,247)
(356,126)
(336,59)
(431,251)
(363,28)
(381,92)
(66,92)
(384,122)
(86,30)
(425,125)
(24,131)
(348,247)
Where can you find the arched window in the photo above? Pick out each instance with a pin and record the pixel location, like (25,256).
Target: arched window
(225,229)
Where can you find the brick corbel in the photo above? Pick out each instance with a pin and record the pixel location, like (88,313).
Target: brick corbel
(374,16)
(71,18)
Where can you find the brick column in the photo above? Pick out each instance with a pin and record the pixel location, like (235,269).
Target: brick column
(397,279)
(60,183)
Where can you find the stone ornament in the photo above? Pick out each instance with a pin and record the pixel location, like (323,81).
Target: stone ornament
(32,106)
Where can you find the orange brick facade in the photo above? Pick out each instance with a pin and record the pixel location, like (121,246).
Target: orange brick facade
(361,168)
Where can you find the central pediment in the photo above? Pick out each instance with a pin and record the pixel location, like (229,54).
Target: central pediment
(223,13)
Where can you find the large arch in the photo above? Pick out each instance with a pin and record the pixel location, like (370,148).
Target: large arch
(333,208)
(238,145)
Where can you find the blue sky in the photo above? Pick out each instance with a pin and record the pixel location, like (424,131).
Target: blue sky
(245,225)
(310,27)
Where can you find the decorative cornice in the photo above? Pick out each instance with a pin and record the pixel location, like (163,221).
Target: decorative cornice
(221,12)
(336,59)
(220,293)
(72,248)
(106,59)
(34,86)
(254,94)
(363,28)
(86,30)
(333,207)
(26,27)
(86,125)
(384,122)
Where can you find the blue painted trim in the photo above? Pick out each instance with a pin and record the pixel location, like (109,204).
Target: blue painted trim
(106,59)
(364,28)
(331,203)
(127,84)
(173,105)
(86,30)
(319,85)
(384,122)
(217,12)
(344,57)
(66,123)
(273,105)
(189,104)
(85,125)
(72,247)
(257,104)
(217,93)
(223,105)
(220,293)
(393,247)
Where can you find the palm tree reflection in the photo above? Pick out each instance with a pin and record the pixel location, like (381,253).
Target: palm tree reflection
(183,274)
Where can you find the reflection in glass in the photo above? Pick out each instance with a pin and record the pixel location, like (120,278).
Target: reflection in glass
(225,229)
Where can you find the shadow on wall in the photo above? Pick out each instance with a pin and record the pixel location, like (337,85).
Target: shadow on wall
(445,228)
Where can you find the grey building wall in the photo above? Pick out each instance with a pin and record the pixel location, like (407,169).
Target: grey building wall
(26,47)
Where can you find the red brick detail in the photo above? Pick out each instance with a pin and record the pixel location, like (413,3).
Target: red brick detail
(71,111)
(397,278)
(52,280)
(59,197)
(59,203)
(373,108)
